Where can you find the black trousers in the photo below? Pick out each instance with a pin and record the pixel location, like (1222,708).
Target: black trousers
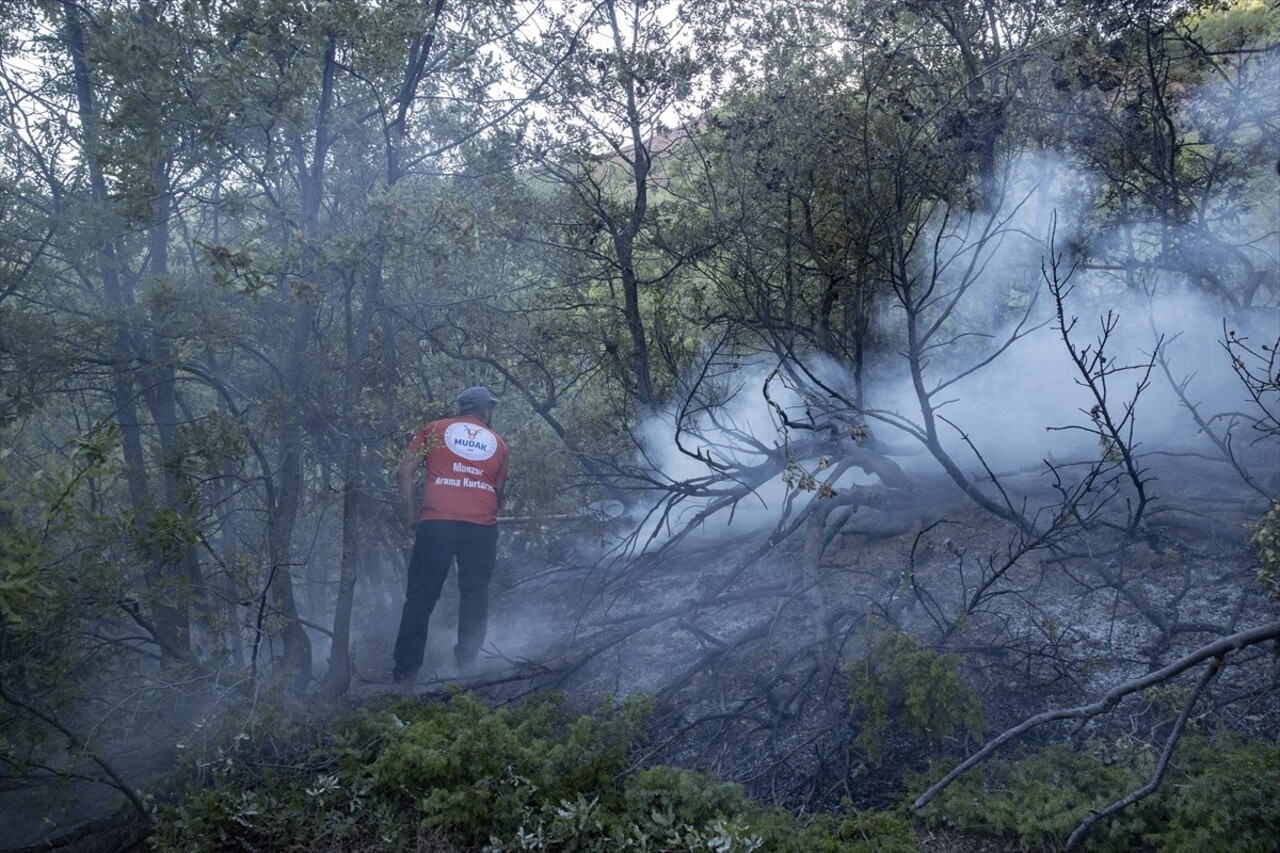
(435,546)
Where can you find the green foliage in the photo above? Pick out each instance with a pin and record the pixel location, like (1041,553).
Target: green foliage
(396,772)
(669,809)
(695,797)
(21,556)
(1042,798)
(1227,790)
(538,465)
(901,681)
(873,832)
(1234,24)
(1265,539)
(266,780)
(403,775)
(69,676)
(1213,791)
(585,825)
(471,770)
(45,575)
(406,775)
(852,832)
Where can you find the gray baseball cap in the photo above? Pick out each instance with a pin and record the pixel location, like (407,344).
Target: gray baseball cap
(477,396)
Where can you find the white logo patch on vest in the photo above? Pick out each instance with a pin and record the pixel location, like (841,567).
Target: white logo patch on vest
(470,441)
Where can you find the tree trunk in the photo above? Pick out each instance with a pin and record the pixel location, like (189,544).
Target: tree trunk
(338,677)
(624,239)
(171,620)
(284,514)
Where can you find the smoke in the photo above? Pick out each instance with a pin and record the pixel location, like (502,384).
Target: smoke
(1012,392)
(734,430)
(1026,405)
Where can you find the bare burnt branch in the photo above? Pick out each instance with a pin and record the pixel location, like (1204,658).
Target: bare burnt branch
(713,656)
(124,832)
(1221,440)
(1095,369)
(1259,371)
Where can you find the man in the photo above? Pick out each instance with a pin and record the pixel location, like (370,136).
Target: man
(466,469)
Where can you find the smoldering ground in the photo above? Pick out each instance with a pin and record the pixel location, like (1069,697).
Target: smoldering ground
(1023,414)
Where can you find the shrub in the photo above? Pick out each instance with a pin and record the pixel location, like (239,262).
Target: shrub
(1043,797)
(852,832)
(1214,794)
(902,679)
(586,826)
(1265,538)
(472,771)
(406,775)
(680,811)
(696,797)
(1229,790)
(270,781)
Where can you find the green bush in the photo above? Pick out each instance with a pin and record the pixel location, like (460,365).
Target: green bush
(405,775)
(474,771)
(409,775)
(920,689)
(669,809)
(1215,796)
(586,826)
(852,832)
(1265,539)
(270,782)
(1229,790)
(695,797)
(393,774)
(1043,797)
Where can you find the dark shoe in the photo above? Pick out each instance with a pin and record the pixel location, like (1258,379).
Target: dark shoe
(467,668)
(463,656)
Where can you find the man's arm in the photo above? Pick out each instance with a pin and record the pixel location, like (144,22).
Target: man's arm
(502,480)
(404,485)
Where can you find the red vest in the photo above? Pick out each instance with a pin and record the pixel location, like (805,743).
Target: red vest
(466,468)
